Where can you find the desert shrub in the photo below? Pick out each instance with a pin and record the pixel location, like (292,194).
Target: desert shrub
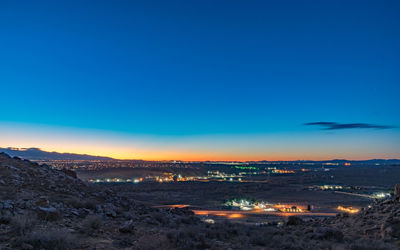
(366,244)
(202,243)
(188,220)
(22,224)
(49,240)
(48,214)
(92,223)
(258,241)
(5,219)
(160,217)
(294,221)
(81,203)
(7,192)
(153,241)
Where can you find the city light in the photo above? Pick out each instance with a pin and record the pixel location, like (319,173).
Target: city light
(350,210)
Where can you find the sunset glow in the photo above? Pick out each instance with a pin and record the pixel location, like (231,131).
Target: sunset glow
(195,148)
(191,148)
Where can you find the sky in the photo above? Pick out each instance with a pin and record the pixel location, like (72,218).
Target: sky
(202,80)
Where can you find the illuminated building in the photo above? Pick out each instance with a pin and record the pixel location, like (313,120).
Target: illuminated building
(350,210)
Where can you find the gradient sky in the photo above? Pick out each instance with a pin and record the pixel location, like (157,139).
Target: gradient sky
(196,80)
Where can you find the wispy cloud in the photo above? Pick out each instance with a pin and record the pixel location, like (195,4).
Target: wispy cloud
(336,125)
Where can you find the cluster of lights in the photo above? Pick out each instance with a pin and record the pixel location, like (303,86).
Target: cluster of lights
(282,171)
(381,195)
(350,210)
(243,167)
(330,187)
(116,180)
(292,209)
(250,205)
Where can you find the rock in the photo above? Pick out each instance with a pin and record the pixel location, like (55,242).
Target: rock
(5,220)
(99,209)
(391,228)
(4,155)
(25,246)
(397,190)
(7,205)
(75,212)
(111,213)
(371,231)
(294,220)
(48,213)
(42,201)
(109,210)
(127,227)
(70,173)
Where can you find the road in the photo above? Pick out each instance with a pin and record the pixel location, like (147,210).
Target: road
(239,214)
(354,194)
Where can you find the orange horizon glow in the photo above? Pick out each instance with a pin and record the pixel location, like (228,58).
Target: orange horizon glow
(270,147)
(126,154)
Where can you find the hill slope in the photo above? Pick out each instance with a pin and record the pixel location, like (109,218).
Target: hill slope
(44,208)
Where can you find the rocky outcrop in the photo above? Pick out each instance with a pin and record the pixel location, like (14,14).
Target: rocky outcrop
(397,190)
(127,227)
(48,213)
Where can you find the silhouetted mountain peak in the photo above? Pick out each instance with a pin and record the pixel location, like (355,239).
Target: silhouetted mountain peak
(38,154)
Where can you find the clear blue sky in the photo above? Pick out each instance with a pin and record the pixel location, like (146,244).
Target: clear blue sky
(183,69)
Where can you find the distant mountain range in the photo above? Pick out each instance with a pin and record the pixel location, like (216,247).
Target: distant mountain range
(38,154)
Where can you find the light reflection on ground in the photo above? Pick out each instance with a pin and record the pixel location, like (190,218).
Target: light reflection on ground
(234,214)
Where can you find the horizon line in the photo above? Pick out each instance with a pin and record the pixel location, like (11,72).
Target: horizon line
(138,159)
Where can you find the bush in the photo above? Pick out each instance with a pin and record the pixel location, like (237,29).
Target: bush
(294,221)
(92,223)
(153,241)
(49,240)
(5,220)
(80,203)
(22,224)
(367,244)
(48,213)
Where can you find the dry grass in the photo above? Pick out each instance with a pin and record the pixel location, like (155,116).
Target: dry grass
(91,224)
(49,240)
(22,224)
(81,203)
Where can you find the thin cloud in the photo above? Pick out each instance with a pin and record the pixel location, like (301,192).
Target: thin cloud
(337,126)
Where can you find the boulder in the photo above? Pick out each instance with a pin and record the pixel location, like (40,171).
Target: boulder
(70,173)
(397,190)
(25,246)
(109,210)
(7,205)
(42,201)
(75,211)
(390,228)
(48,213)
(127,227)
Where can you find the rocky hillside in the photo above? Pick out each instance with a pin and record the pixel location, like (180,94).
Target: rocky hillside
(44,208)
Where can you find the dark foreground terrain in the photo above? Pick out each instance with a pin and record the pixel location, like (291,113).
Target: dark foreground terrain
(44,208)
